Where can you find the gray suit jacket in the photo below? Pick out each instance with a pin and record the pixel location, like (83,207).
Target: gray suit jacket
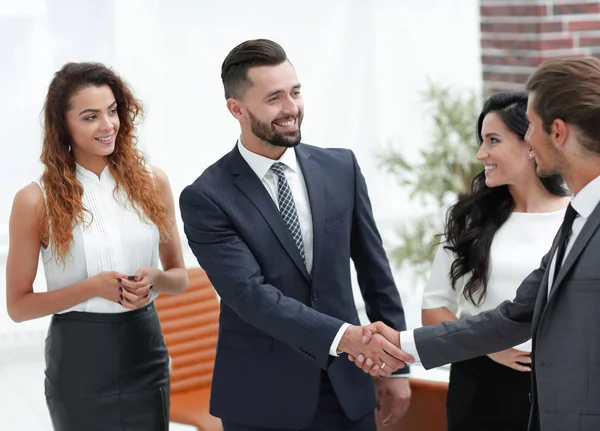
(564,327)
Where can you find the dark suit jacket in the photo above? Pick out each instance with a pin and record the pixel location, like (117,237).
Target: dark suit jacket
(278,322)
(565,329)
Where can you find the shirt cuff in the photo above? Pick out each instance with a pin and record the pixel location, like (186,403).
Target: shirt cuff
(392,376)
(333,350)
(407,344)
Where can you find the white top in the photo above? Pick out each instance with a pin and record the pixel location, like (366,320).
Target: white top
(584,203)
(114,239)
(293,174)
(517,249)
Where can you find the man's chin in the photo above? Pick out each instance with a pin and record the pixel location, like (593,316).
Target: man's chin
(286,143)
(544,173)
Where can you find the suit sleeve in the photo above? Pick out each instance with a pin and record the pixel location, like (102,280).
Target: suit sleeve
(237,277)
(373,271)
(505,326)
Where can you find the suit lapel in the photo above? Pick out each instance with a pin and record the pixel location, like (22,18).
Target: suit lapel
(542,298)
(588,230)
(251,186)
(313,178)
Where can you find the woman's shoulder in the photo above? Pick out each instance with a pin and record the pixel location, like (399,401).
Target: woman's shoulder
(29,202)
(160,178)
(158,174)
(30,196)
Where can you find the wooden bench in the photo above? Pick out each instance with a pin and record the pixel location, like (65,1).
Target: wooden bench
(190,323)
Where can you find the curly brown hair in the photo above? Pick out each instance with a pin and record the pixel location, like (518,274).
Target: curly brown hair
(126,163)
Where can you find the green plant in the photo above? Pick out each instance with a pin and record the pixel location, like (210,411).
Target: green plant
(443,170)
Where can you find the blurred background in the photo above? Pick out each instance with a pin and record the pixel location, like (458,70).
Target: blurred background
(399,82)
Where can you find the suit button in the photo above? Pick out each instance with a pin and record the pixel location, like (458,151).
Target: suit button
(315,296)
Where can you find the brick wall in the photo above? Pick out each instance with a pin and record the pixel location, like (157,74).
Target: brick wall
(517,35)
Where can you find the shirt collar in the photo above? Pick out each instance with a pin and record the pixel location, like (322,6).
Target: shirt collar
(587,199)
(261,165)
(85,174)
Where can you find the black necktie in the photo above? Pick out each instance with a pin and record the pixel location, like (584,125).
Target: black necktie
(563,239)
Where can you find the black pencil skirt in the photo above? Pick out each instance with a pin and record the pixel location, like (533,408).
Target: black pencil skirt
(107,372)
(485,395)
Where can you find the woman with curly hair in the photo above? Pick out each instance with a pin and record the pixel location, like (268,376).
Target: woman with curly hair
(495,235)
(101,219)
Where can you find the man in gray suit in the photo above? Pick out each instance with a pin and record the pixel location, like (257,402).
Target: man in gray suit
(558,304)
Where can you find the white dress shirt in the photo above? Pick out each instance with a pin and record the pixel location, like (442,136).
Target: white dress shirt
(584,203)
(262,168)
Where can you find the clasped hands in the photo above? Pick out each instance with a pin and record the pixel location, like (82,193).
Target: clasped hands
(135,289)
(374,348)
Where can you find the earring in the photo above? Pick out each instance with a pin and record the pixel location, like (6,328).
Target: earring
(69,150)
(530,155)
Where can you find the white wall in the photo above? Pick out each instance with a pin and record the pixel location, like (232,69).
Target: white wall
(362,64)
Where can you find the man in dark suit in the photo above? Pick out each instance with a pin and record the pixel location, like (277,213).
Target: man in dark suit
(275,224)
(557,305)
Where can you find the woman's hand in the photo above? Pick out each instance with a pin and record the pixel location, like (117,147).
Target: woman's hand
(512,358)
(136,288)
(145,276)
(107,285)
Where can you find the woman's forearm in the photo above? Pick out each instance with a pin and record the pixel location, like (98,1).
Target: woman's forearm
(173,281)
(434,316)
(33,305)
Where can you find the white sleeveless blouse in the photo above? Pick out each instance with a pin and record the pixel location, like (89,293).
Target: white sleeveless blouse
(113,239)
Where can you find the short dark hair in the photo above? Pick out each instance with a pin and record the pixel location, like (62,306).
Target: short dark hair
(252,53)
(569,88)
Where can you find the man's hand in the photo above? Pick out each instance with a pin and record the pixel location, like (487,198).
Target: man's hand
(511,357)
(393,398)
(384,356)
(375,331)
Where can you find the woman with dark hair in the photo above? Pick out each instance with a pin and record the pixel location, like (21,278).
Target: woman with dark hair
(101,219)
(495,235)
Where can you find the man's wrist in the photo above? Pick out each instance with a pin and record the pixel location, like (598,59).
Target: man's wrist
(347,340)
(334,349)
(408,345)
(350,339)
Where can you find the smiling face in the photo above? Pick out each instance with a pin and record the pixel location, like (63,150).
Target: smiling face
(93,122)
(272,108)
(507,158)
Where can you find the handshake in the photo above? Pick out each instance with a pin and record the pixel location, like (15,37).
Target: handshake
(374,348)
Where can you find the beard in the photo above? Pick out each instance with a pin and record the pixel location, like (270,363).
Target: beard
(267,132)
(551,163)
